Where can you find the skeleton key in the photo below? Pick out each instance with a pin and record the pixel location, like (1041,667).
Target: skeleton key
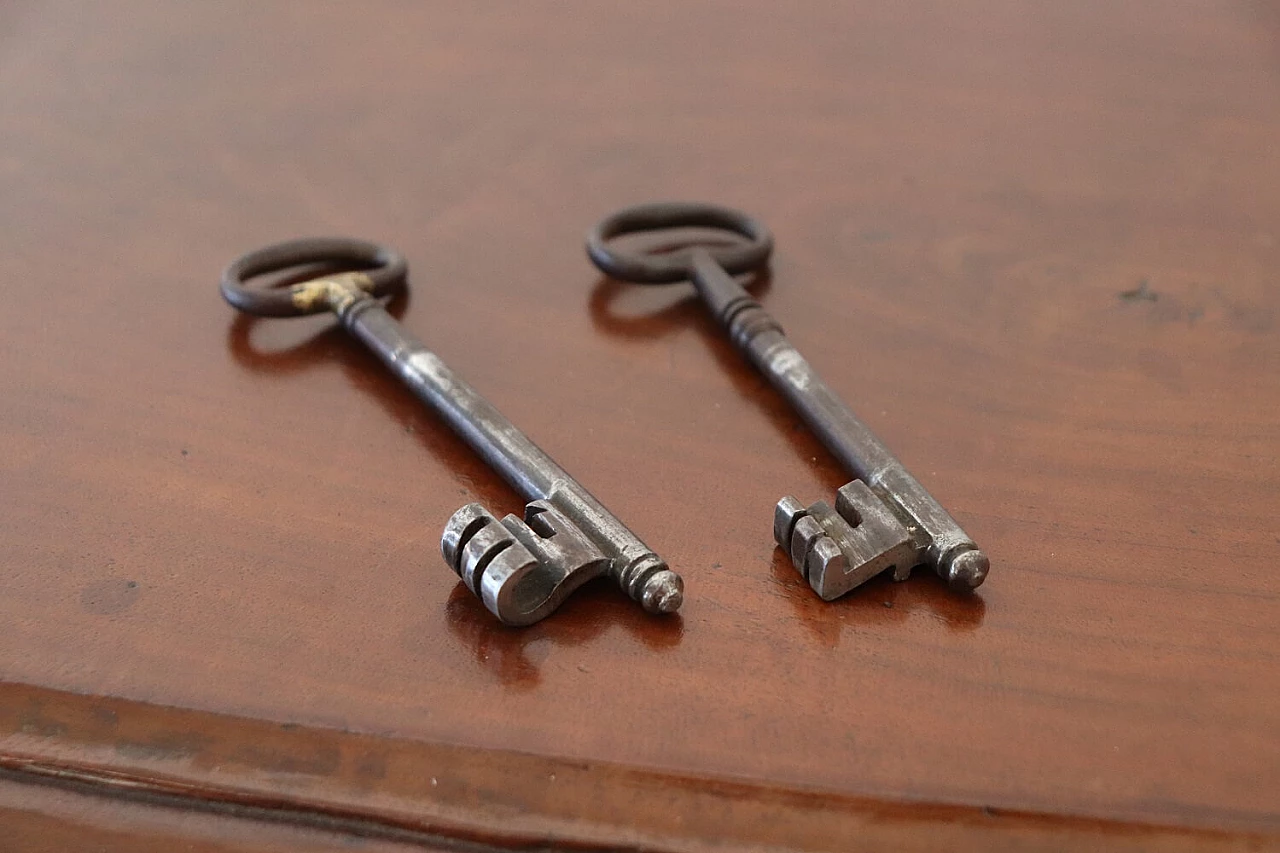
(521,569)
(882,521)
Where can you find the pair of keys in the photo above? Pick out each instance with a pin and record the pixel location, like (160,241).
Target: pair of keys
(523,569)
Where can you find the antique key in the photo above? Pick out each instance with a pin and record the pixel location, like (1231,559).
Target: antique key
(521,569)
(882,521)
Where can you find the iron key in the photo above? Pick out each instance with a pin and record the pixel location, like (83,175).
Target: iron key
(522,569)
(882,521)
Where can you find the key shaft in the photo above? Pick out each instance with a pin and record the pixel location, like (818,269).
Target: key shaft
(937,539)
(640,572)
(884,521)
(521,568)
(524,465)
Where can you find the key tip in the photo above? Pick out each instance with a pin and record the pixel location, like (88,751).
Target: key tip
(663,593)
(968,570)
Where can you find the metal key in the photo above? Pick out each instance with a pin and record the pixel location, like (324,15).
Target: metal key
(882,521)
(521,569)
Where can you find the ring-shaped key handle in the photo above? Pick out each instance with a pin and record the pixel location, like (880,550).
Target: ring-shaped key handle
(383,273)
(646,268)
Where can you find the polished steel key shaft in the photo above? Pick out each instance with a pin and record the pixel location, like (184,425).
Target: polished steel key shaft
(522,569)
(882,521)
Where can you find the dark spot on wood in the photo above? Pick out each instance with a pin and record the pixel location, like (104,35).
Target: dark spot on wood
(185,452)
(1141,293)
(109,596)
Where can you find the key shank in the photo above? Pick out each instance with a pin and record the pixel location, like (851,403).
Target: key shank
(521,569)
(891,522)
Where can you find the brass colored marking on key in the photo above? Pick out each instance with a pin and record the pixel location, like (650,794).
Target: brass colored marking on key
(335,291)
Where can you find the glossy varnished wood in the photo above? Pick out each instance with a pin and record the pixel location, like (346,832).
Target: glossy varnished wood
(1034,247)
(395,790)
(41,817)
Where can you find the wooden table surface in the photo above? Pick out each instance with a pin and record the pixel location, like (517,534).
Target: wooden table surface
(1034,245)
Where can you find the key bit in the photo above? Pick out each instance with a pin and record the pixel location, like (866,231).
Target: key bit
(882,521)
(521,569)
(838,549)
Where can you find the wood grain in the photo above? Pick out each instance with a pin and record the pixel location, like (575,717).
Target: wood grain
(43,818)
(1034,247)
(391,790)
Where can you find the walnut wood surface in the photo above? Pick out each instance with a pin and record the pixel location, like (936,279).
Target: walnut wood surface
(396,790)
(1034,246)
(41,818)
